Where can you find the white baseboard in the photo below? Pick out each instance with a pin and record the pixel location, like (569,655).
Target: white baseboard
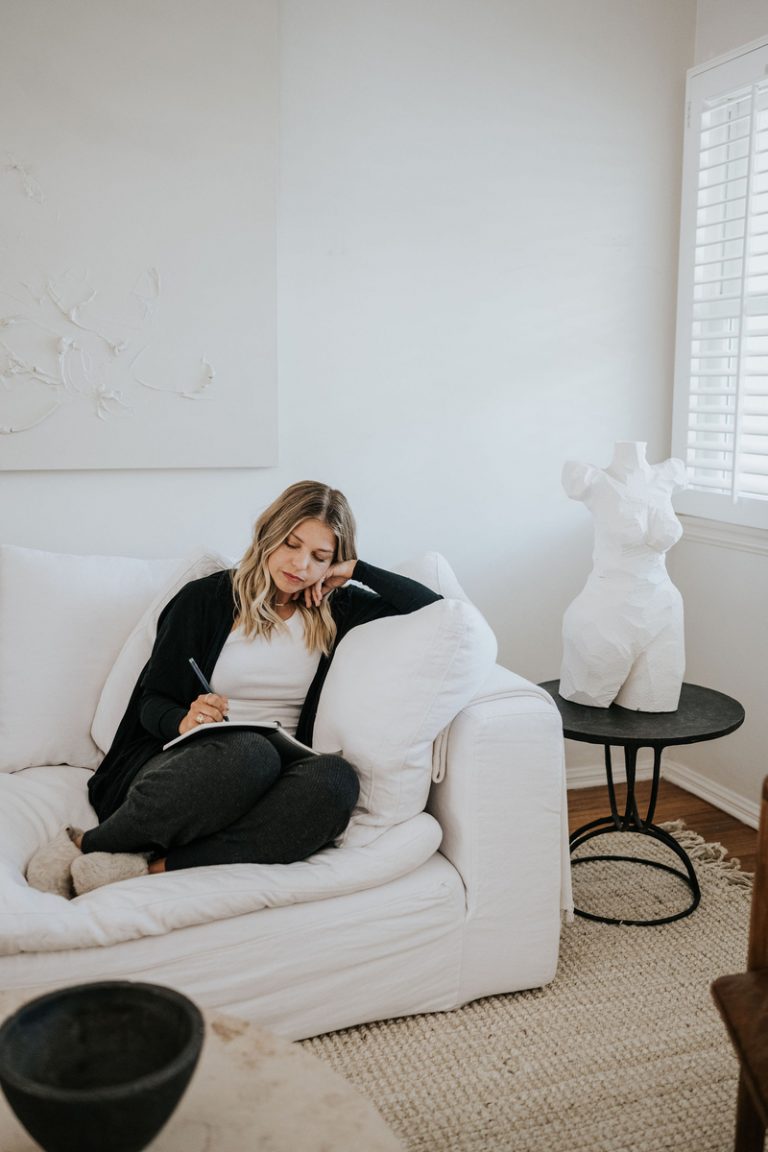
(592,775)
(748,811)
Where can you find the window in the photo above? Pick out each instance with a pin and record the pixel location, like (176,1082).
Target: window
(720,425)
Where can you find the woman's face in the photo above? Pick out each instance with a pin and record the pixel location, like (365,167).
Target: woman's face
(303,558)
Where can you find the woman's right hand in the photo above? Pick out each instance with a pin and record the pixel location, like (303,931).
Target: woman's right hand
(206,709)
(334,577)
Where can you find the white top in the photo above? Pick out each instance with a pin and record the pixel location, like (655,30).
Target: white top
(266,679)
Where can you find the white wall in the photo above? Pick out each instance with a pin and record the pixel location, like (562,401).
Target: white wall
(722,25)
(116,240)
(477,262)
(723,577)
(723,573)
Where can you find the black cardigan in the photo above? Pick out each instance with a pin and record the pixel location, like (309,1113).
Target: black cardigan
(197,622)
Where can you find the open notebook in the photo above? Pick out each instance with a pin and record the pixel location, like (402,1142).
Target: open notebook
(288,746)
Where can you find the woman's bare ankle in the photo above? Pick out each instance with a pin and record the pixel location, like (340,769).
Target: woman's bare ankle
(76,836)
(156,866)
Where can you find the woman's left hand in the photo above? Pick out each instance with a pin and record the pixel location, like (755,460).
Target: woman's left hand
(335,577)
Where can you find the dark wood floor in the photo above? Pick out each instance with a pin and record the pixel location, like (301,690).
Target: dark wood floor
(585,804)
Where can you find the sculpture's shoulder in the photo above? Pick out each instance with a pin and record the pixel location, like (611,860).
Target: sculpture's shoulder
(670,474)
(578,478)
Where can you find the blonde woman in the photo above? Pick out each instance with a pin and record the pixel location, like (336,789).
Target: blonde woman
(264,636)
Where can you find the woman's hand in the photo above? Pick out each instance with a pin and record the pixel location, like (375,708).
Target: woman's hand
(205,709)
(334,577)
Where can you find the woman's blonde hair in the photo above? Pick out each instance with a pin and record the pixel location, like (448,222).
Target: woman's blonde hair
(253,587)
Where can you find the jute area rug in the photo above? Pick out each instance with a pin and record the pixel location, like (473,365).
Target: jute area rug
(624,1051)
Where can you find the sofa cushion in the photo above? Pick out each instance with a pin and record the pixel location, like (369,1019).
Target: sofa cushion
(138,646)
(36,803)
(432,569)
(63,620)
(394,684)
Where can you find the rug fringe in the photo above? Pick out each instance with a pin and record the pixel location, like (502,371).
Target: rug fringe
(709,853)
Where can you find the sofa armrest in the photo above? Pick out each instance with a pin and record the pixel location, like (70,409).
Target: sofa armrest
(502,806)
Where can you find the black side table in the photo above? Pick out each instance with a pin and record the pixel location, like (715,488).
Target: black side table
(702,714)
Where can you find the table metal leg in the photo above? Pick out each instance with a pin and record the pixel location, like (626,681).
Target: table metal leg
(631,815)
(611,787)
(655,786)
(632,822)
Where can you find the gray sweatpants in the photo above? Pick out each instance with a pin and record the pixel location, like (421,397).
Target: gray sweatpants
(226,799)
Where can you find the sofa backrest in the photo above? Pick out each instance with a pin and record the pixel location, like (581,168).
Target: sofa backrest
(63,621)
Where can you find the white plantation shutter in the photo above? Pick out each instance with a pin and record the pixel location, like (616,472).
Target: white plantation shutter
(721,381)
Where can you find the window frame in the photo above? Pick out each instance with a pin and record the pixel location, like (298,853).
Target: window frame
(720,76)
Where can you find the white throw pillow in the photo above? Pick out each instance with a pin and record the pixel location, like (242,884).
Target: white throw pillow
(137,648)
(393,686)
(433,569)
(63,619)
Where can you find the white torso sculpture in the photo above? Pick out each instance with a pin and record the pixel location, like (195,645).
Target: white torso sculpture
(623,634)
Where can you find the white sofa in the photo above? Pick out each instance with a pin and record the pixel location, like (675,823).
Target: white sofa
(416,911)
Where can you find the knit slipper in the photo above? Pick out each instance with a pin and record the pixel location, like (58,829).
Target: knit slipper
(49,868)
(94,869)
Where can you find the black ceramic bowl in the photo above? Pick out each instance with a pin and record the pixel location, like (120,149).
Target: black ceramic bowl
(99,1066)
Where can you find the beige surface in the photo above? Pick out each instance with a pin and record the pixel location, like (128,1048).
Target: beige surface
(251,1092)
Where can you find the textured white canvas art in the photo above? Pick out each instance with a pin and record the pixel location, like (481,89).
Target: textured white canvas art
(137,234)
(623,634)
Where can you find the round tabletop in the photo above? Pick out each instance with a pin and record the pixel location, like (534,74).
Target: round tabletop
(702,714)
(251,1089)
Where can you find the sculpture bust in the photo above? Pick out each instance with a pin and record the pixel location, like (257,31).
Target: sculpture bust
(623,634)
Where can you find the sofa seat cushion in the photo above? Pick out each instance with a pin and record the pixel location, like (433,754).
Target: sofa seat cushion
(300,969)
(36,803)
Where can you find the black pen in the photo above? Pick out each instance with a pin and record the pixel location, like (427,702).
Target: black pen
(202,678)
